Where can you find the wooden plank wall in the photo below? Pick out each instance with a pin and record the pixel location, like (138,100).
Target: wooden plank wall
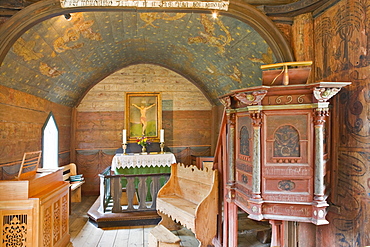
(187,118)
(343,54)
(338,41)
(22,118)
(103,130)
(99,134)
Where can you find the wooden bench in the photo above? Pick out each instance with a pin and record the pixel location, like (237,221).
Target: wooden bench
(160,236)
(262,229)
(190,197)
(75,187)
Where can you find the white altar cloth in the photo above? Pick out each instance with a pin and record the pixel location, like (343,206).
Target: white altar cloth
(146,160)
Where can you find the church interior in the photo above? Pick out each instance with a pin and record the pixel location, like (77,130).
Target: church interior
(203,73)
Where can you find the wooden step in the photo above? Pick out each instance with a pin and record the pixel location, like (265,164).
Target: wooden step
(160,236)
(109,219)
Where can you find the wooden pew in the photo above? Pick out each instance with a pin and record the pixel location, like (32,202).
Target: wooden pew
(75,187)
(190,197)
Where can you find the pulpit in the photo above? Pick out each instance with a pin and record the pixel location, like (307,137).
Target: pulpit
(281,136)
(35,211)
(279,151)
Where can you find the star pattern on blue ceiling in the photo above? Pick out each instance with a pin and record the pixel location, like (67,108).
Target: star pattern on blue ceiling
(60,60)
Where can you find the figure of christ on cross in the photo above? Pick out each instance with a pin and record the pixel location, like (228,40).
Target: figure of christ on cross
(143,121)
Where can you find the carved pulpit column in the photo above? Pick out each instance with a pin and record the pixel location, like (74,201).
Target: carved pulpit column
(248,152)
(256,199)
(231,156)
(256,122)
(322,94)
(319,121)
(230,170)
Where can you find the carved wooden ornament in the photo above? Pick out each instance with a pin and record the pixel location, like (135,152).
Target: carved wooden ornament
(284,177)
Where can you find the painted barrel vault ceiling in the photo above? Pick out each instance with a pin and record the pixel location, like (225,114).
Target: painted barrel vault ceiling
(61,60)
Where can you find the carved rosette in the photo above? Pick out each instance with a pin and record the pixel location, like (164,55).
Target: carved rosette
(319,212)
(251,98)
(324,94)
(255,210)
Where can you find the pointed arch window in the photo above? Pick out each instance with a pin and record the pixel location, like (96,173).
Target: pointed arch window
(50,138)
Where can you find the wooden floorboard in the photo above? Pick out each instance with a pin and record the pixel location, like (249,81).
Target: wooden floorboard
(85,234)
(121,238)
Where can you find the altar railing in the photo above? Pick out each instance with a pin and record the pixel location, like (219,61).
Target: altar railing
(138,194)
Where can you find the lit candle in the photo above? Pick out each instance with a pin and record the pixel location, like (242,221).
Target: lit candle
(124,137)
(161,135)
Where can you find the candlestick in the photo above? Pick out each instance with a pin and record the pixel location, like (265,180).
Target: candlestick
(161,136)
(162,147)
(124,146)
(124,136)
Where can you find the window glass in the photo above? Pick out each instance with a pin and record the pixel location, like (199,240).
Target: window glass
(50,143)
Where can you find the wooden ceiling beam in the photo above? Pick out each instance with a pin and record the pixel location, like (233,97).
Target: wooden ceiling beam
(268,2)
(7,12)
(296,8)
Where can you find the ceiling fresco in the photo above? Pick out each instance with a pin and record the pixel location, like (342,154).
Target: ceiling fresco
(61,60)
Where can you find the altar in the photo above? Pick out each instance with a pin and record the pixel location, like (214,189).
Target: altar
(134,164)
(145,161)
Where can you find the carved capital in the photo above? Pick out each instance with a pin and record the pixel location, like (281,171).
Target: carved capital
(323,94)
(231,119)
(320,115)
(226,101)
(256,118)
(251,98)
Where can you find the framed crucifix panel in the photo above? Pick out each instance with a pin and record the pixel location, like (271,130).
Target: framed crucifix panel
(143,115)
